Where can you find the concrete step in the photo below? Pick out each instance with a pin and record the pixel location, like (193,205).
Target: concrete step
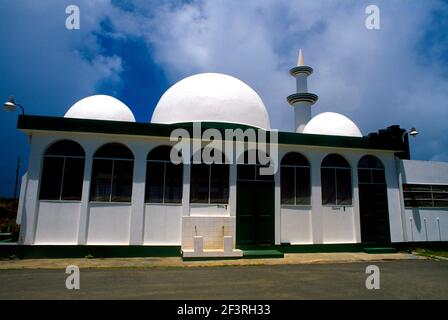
(374,250)
(260,254)
(211,254)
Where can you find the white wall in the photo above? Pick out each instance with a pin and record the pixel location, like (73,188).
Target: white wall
(21,204)
(109,223)
(426,172)
(333,224)
(57,222)
(428,224)
(296,225)
(338,224)
(163,224)
(207,210)
(425,224)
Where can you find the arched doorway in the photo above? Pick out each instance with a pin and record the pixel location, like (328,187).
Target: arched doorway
(255,205)
(373,204)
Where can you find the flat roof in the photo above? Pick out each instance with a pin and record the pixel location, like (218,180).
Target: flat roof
(45,123)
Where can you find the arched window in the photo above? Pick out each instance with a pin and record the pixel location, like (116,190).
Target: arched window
(371,170)
(295,180)
(209,183)
(112,172)
(163,178)
(336,180)
(62,171)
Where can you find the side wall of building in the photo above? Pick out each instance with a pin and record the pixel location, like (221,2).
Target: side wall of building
(424,224)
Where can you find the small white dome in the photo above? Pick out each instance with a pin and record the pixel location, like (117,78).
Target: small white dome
(212,97)
(100,107)
(332,123)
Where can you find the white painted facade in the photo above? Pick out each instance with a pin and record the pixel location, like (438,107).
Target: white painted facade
(137,223)
(204,227)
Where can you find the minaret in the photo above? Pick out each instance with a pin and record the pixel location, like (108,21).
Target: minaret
(302,100)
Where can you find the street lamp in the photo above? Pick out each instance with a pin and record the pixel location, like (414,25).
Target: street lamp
(11,105)
(413,132)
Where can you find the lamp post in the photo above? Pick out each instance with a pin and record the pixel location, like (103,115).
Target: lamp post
(413,132)
(11,105)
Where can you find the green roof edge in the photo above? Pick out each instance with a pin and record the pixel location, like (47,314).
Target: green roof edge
(45,123)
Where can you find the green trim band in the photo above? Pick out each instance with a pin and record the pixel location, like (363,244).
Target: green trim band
(301,69)
(86,251)
(41,123)
(300,97)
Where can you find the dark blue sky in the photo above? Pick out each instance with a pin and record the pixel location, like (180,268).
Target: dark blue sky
(134,50)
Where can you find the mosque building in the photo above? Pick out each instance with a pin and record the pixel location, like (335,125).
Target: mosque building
(96,177)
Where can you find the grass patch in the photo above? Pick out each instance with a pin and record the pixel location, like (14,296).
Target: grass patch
(432,253)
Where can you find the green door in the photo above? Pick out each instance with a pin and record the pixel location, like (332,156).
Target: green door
(255,212)
(374,213)
(373,206)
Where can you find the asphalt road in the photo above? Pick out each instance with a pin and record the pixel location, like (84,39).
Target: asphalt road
(411,279)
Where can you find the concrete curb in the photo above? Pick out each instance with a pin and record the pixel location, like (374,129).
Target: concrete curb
(176,262)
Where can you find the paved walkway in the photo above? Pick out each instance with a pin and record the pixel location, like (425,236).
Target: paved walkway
(289,259)
(403,279)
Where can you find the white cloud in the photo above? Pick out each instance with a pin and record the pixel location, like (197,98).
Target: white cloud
(47,62)
(44,66)
(376,77)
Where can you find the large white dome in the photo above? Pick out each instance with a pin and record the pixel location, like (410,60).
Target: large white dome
(100,107)
(211,97)
(331,123)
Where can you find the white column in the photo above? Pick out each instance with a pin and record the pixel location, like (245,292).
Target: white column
(397,172)
(138,196)
(394,179)
(355,199)
(277,206)
(230,149)
(186,190)
(232,189)
(20,207)
(316,200)
(84,214)
(31,207)
(232,197)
